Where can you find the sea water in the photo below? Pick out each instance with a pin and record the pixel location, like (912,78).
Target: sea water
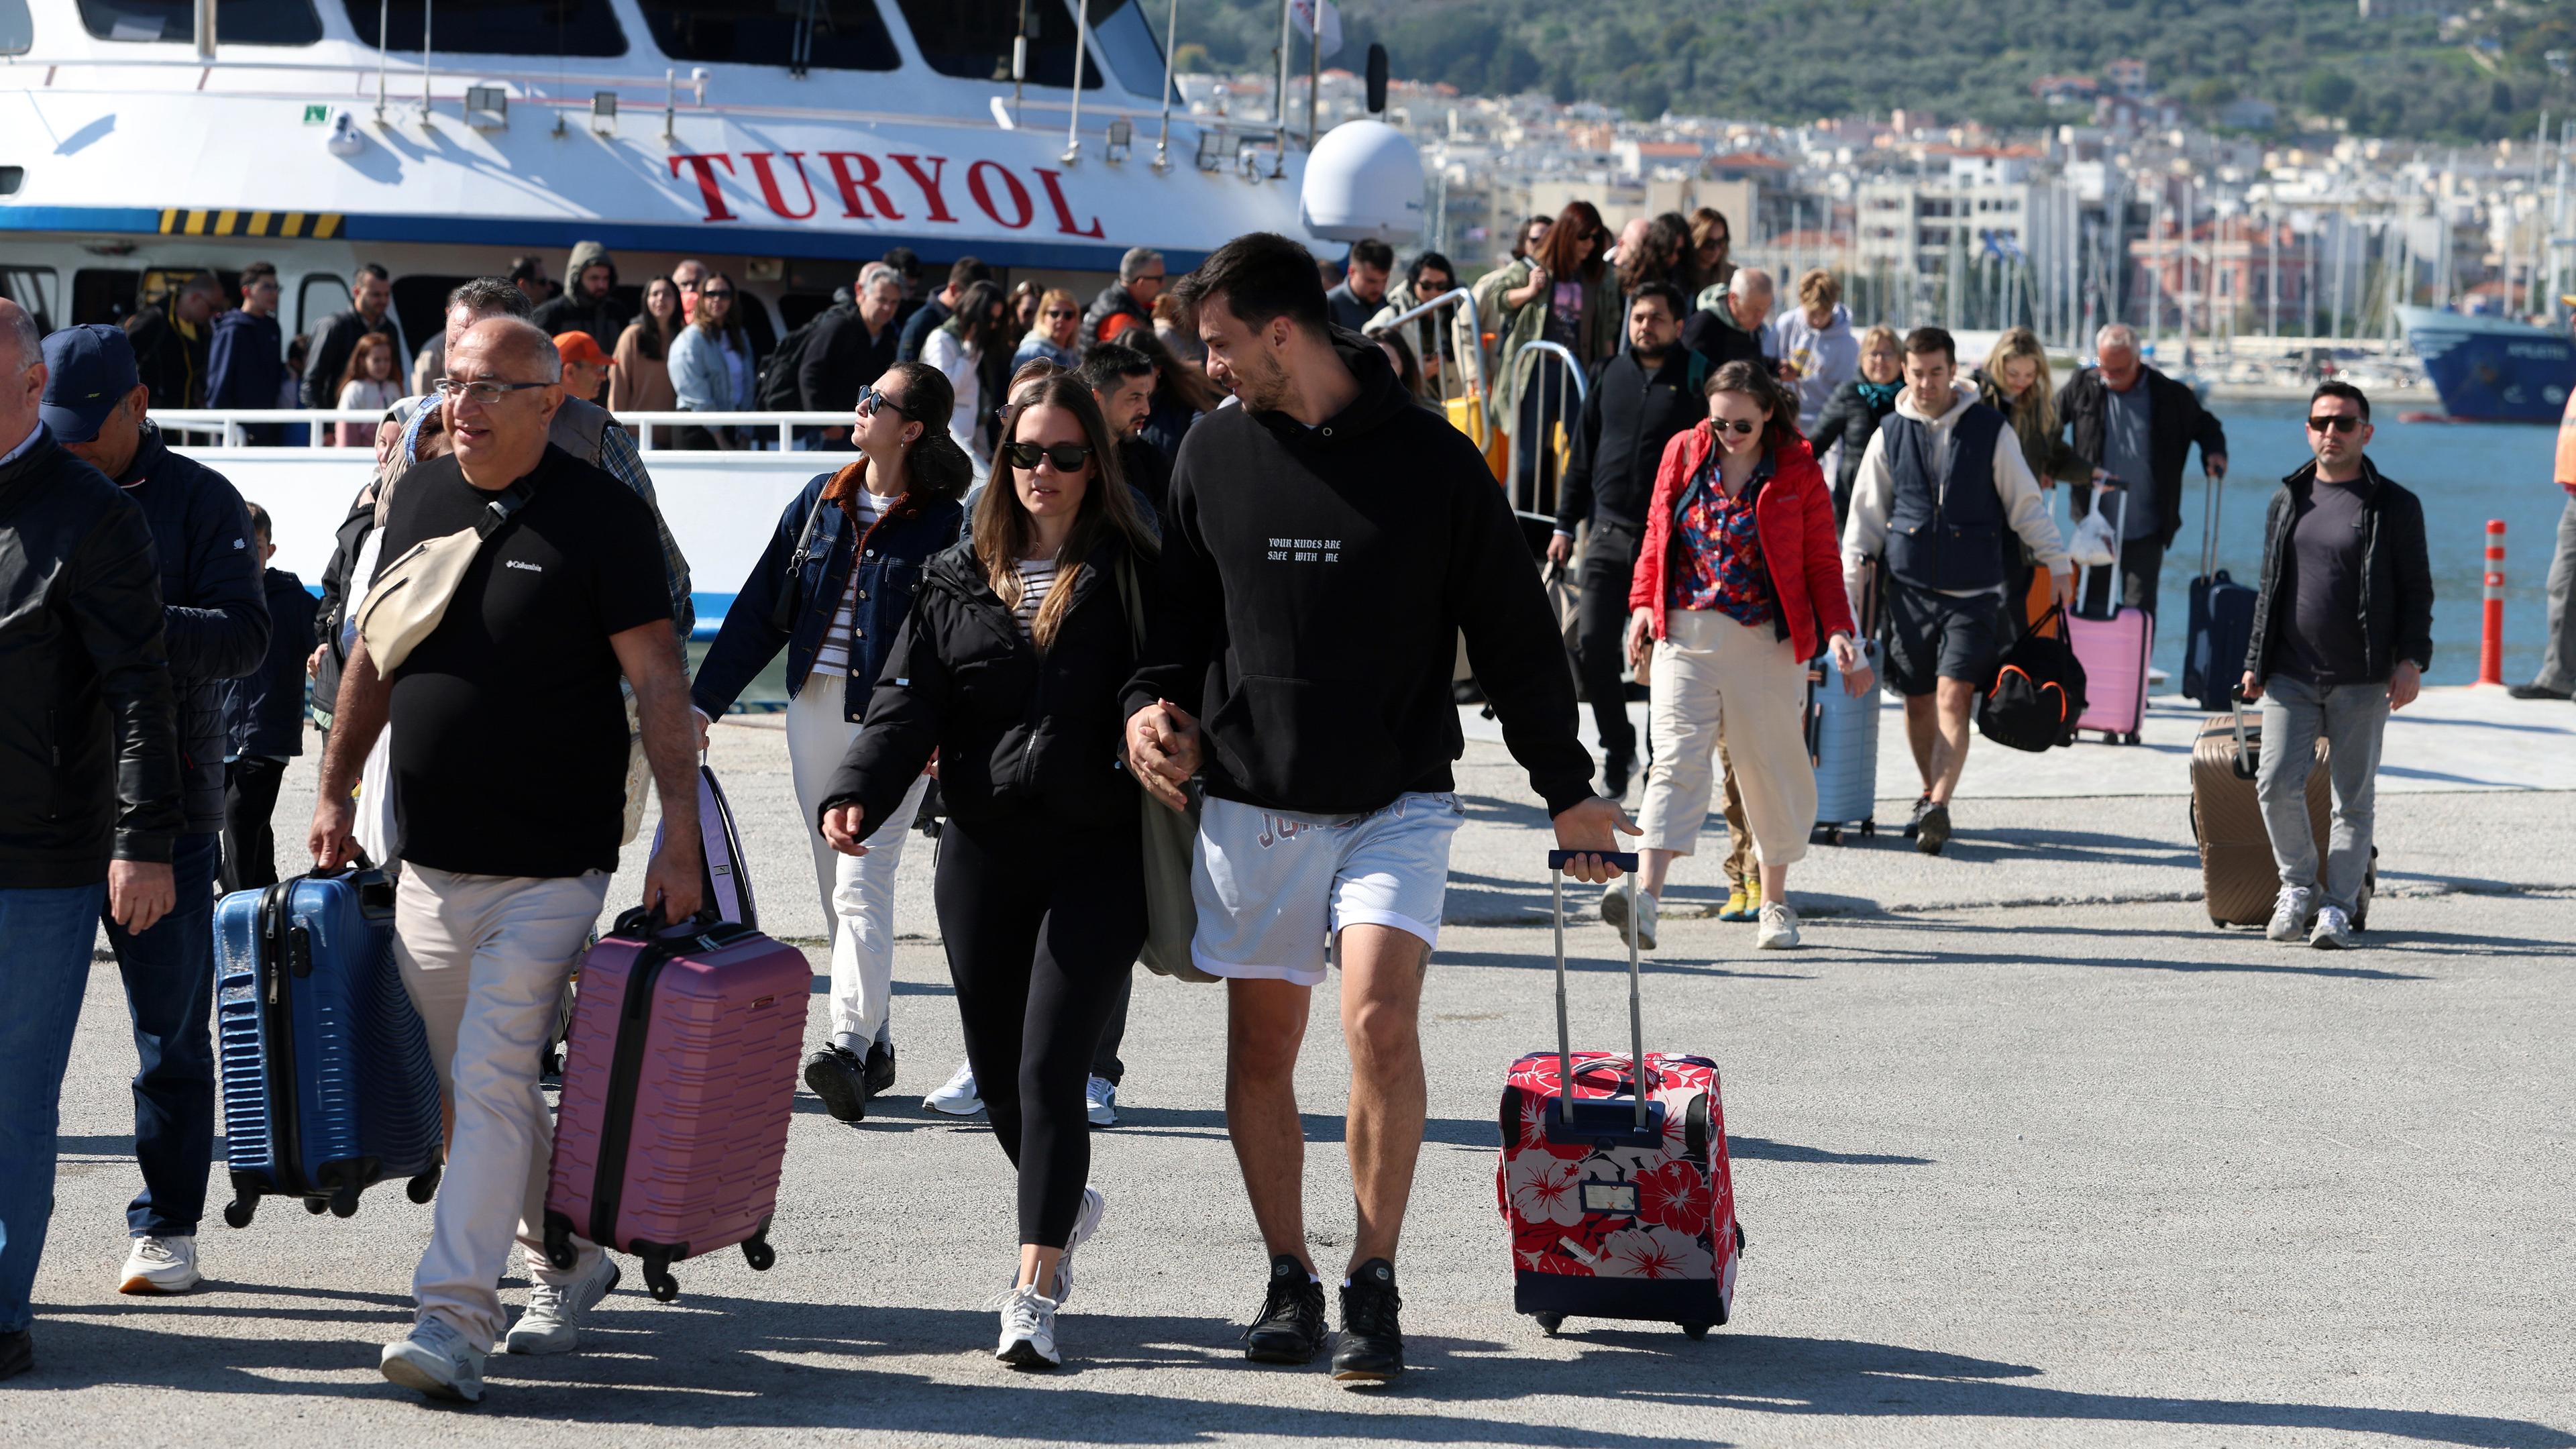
(2466,473)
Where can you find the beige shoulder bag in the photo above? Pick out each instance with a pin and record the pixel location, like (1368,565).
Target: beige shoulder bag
(410,594)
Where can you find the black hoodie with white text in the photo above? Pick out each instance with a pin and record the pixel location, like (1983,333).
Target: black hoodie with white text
(1311,590)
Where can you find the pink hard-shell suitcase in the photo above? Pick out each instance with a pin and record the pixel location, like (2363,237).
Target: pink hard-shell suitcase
(679,1080)
(1620,1203)
(2114,652)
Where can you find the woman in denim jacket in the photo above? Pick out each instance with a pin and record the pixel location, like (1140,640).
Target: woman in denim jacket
(831,588)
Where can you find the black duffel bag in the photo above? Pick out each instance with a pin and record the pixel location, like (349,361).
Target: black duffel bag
(2037,693)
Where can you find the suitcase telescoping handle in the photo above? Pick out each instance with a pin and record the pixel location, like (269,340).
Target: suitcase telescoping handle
(2245,763)
(1557,861)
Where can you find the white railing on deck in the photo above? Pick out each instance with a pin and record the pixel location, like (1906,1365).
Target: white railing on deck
(228,426)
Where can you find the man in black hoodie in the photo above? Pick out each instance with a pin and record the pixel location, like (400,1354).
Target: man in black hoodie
(1327,542)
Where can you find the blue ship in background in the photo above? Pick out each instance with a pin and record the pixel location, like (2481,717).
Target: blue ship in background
(2492,369)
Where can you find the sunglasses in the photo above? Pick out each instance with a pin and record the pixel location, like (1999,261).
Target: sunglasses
(2340,423)
(871,400)
(1065,456)
(1054,312)
(711,294)
(1739,426)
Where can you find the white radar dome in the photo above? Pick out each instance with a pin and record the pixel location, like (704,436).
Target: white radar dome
(1363,180)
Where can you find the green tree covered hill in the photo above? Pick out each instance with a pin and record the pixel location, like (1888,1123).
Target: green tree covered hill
(1796,60)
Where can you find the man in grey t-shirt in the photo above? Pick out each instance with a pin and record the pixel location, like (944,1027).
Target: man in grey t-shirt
(2138,426)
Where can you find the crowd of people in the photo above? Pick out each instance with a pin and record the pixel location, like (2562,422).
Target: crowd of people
(1084,572)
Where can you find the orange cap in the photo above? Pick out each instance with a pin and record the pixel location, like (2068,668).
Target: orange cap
(580,347)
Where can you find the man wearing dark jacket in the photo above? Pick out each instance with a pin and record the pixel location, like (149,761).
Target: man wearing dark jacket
(371,299)
(1327,543)
(247,364)
(89,781)
(215,625)
(2343,631)
(264,723)
(962,273)
(1640,397)
(2138,425)
(1737,328)
(171,340)
(1128,302)
(589,300)
(1121,380)
(852,346)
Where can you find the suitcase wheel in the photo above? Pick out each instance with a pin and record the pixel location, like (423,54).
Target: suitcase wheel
(2130,738)
(659,1280)
(758,1254)
(1696,1330)
(422,1188)
(1830,834)
(1869,828)
(317,1206)
(1549,1323)
(237,1213)
(344,1203)
(2216,924)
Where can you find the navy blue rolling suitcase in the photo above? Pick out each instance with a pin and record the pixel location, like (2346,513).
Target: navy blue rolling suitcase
(2221,624)
(327,1079)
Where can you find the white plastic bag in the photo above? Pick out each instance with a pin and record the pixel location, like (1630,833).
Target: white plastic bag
(2093,545)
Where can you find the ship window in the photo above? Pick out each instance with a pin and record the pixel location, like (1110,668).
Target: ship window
(1125,35)
(972,38)
(827,34)
(496,27)
(37,289)
(17,32)
(237,22)
(104,294)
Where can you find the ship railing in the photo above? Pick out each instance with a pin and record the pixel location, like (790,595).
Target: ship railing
(656,432)
(1542,436)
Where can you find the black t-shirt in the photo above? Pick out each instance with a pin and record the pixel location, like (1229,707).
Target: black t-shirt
(2321,572)
(509,735)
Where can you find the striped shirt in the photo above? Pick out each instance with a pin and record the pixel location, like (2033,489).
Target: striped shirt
(832,655)
(1037,576)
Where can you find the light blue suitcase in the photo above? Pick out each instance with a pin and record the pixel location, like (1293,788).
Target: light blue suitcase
(1842,738)
(327,1080)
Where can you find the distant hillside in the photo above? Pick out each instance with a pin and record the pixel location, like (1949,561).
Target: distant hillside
(1796,60)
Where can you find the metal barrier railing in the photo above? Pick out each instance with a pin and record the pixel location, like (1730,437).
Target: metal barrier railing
(1434,336)
(1532,432)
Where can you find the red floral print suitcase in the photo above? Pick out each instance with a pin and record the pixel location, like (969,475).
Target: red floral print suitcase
(1620,1202)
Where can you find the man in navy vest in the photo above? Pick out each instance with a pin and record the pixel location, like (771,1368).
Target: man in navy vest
(1941,483)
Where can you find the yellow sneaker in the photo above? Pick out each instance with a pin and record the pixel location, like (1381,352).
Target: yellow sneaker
(1738,908)
(1752,899)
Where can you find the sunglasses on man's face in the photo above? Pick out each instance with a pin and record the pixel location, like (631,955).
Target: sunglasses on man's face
(1067,457)
(2338,423)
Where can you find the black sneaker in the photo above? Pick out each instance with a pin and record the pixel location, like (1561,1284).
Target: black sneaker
(2535,691)
(837,1076)
(877,1077)
(1615,771)
(17,1353)
(1914,823)
(1290,1327)
(1933,831)
(1372,1347)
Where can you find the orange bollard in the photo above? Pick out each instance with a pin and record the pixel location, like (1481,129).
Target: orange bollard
(2491,640)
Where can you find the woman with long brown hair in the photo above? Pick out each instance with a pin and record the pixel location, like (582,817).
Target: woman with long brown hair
(831,589)
(641,381)
(1010,667)
(2015,383)
(977,331)
(1561,293)
(711,369)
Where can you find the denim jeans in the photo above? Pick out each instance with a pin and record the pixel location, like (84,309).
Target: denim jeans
(170,992)
(44,968)
(2351,717)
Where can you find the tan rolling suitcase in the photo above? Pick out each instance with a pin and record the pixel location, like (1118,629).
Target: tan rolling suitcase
(2239,882)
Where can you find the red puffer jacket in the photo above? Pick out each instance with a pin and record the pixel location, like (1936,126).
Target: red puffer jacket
(1794,517)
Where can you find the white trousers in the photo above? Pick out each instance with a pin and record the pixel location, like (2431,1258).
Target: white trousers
(1716,681)
(484,958)
(857,891)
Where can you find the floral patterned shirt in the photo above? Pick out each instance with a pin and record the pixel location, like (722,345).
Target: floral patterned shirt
(1718,552)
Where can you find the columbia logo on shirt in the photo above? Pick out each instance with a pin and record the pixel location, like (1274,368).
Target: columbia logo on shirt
(512,563)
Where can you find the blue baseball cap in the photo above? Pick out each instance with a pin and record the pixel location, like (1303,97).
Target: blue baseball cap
(88,371)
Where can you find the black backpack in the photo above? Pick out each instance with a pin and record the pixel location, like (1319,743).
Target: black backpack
(777,391)
(2038,690)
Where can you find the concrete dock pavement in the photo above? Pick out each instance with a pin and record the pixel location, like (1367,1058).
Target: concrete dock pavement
(2027,1155)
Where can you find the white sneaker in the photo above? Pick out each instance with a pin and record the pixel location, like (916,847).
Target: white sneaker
(436,1360)
(1028,1330)
(2333,931)
(553,1321)
(161,1265)
(959,1098)
(2290,913)
(1614,912)
(1100,1102)
(1085,1223)
(1778,930)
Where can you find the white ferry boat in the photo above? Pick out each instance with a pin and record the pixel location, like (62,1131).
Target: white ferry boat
(785,142)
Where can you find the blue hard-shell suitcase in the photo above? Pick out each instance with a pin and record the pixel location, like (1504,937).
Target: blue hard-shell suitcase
(1842,739)
(328,1084)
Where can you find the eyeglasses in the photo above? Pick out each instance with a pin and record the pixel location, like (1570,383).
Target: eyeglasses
(1151,277)
(1065,456)
(711,294)
(871,400)
(2339,423)
(1061,312)
(486,393)
(1737,426)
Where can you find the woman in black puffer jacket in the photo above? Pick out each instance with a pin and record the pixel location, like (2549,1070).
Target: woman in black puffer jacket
(1852,415)
(1010,667)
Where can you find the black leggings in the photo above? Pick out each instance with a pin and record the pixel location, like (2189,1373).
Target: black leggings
(1042,926)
